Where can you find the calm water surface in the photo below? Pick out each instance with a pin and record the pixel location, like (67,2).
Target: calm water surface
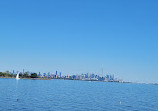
(68,95)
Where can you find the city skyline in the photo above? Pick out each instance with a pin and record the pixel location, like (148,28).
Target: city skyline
(58,75)
(56,72)
(81,36)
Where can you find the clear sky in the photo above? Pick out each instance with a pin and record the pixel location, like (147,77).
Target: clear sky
(79,36)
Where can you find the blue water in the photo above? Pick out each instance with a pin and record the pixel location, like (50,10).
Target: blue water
(61,95)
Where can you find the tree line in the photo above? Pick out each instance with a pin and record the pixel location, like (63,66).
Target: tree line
(25,75)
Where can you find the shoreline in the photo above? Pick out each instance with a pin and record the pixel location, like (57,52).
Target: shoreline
(27,78)
(79,80)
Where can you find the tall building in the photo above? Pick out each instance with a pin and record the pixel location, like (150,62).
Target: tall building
(56,73)
(23,71)
(60,74)
(39,74)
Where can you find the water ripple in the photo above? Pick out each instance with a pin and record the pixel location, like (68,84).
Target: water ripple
(36,95)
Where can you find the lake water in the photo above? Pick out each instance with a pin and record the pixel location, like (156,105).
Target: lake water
(71,95)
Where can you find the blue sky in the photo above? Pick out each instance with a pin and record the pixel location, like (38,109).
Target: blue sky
(79,36)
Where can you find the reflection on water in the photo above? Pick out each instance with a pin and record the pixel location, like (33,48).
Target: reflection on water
(27,95)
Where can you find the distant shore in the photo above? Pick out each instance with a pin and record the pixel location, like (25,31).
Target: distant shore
(80,80)
(29,78)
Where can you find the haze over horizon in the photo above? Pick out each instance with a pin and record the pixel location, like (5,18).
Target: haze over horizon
(77,37)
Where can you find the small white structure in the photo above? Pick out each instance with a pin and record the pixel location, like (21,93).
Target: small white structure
(17,76)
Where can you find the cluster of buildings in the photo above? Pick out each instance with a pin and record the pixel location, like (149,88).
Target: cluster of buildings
(85,77)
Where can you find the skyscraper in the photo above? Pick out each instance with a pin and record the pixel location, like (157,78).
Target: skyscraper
(39,74)
(23,71)
(56,72)
(60,74)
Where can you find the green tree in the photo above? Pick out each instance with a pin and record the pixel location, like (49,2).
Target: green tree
(26,75)
(11,75)
(6,73)
(20,75)
(1,73)
(34,75)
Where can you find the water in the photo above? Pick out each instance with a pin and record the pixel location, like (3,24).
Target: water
(61,95)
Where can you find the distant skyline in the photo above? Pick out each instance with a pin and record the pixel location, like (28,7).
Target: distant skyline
(80,36)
